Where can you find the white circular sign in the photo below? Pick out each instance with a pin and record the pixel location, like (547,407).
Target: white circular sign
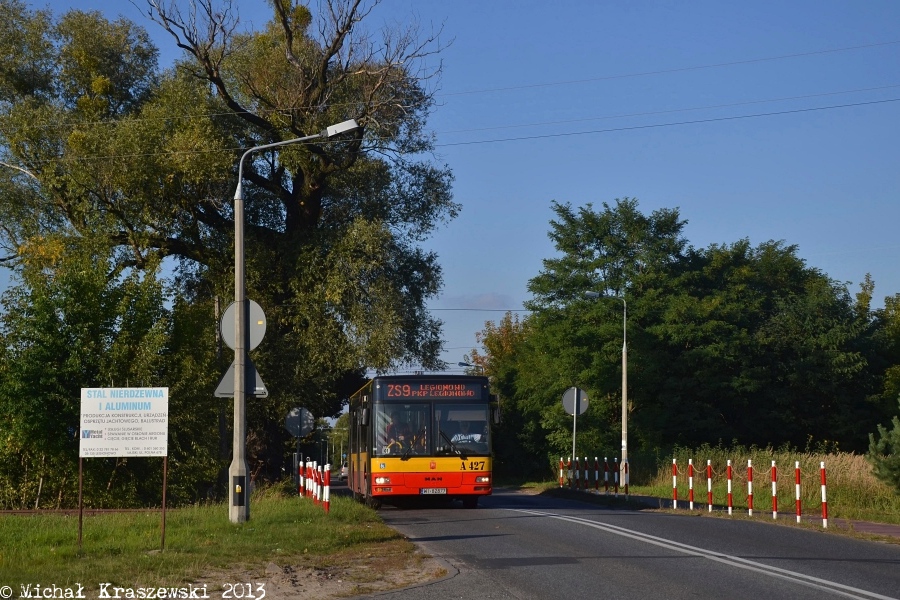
(256,325)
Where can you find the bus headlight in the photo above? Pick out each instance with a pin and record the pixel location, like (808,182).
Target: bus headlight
(482,479)
(382,480)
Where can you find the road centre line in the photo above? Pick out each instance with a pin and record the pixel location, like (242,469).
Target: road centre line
(735,561)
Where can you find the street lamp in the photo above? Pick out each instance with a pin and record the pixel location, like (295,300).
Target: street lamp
(239,493)
(465,364)
(595,295)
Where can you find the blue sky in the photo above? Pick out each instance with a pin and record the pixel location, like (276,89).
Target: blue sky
(759,120)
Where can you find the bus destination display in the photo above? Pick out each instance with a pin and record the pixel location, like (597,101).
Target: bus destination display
(432,390)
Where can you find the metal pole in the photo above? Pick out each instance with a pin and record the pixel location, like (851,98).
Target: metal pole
(238,489)
(239,502)
(624,381)
(625,469)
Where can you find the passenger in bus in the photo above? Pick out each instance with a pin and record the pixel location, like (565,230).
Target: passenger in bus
(397,431)
(463,435)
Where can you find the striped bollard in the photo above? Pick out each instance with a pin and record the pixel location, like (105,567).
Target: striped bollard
(300,471)
(326,496)
(616,476)
(625,476)
(824,503)
(586,480)
(709,498)
(317,481)
(561,467)
(730,497)
(569,472)
(774,492)
(691,483)
(308,479)
(674,483)
(596,475)
(749,487)
(577,473)
(797,487)
(606,475)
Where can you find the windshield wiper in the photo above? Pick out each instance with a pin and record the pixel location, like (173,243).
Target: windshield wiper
(412,444)
(453,446)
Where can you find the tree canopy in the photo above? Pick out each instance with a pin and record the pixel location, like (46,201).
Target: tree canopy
(730,342)
(100,147)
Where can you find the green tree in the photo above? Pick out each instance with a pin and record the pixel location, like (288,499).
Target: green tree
(728,342)
(68,325)
(94,141)
(884,454)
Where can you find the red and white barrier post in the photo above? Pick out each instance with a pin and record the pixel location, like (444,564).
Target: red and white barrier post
(774,492)
(577,473)
(616,475)
(824,502)
(560,471)
(625,476)
(317,482)
(606,475)
(569,472)
(730,497)
(749,487)
(301,467)
(709,498)
(586,480)
(674,483)
(691,483)
(307,489)
(326,496)
(596,475)
(797,487)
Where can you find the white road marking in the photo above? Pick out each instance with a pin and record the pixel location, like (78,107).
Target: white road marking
(735,561)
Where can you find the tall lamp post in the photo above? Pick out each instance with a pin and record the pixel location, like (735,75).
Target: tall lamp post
(239,493)
(595,295)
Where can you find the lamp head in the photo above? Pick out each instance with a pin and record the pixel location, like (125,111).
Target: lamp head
(339,128)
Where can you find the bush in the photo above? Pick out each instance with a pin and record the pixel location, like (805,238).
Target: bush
(884,454)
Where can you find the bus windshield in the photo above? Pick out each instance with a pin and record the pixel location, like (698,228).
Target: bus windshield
(432,429)
(462,428)
(401,429)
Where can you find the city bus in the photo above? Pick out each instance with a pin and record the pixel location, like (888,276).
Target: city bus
(421,436)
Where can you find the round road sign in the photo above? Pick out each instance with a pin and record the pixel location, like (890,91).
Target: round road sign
(256,325)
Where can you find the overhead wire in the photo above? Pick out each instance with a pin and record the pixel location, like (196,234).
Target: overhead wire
(549,84)
(673,70)
(658,125)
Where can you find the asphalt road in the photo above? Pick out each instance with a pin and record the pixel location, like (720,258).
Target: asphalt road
(517,546)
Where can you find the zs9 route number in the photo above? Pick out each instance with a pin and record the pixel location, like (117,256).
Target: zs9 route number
(398,391)
(472,465)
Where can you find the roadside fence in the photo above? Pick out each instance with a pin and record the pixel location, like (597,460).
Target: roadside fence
(583,474)
(315,483)
(737,477)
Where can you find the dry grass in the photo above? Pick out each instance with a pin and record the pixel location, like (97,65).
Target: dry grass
(852,491)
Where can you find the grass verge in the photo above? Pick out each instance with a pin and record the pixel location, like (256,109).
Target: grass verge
(124,548)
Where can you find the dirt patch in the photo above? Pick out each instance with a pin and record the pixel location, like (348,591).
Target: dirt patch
(388,567)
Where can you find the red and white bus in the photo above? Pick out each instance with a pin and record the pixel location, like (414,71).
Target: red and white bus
(421,435)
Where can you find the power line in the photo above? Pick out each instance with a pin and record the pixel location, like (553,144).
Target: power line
(673,110)
(263,111)
(659,125)
(525,138)
(484,309)
(667,71)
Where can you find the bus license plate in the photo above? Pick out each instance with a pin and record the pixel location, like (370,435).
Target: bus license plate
(434,490)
